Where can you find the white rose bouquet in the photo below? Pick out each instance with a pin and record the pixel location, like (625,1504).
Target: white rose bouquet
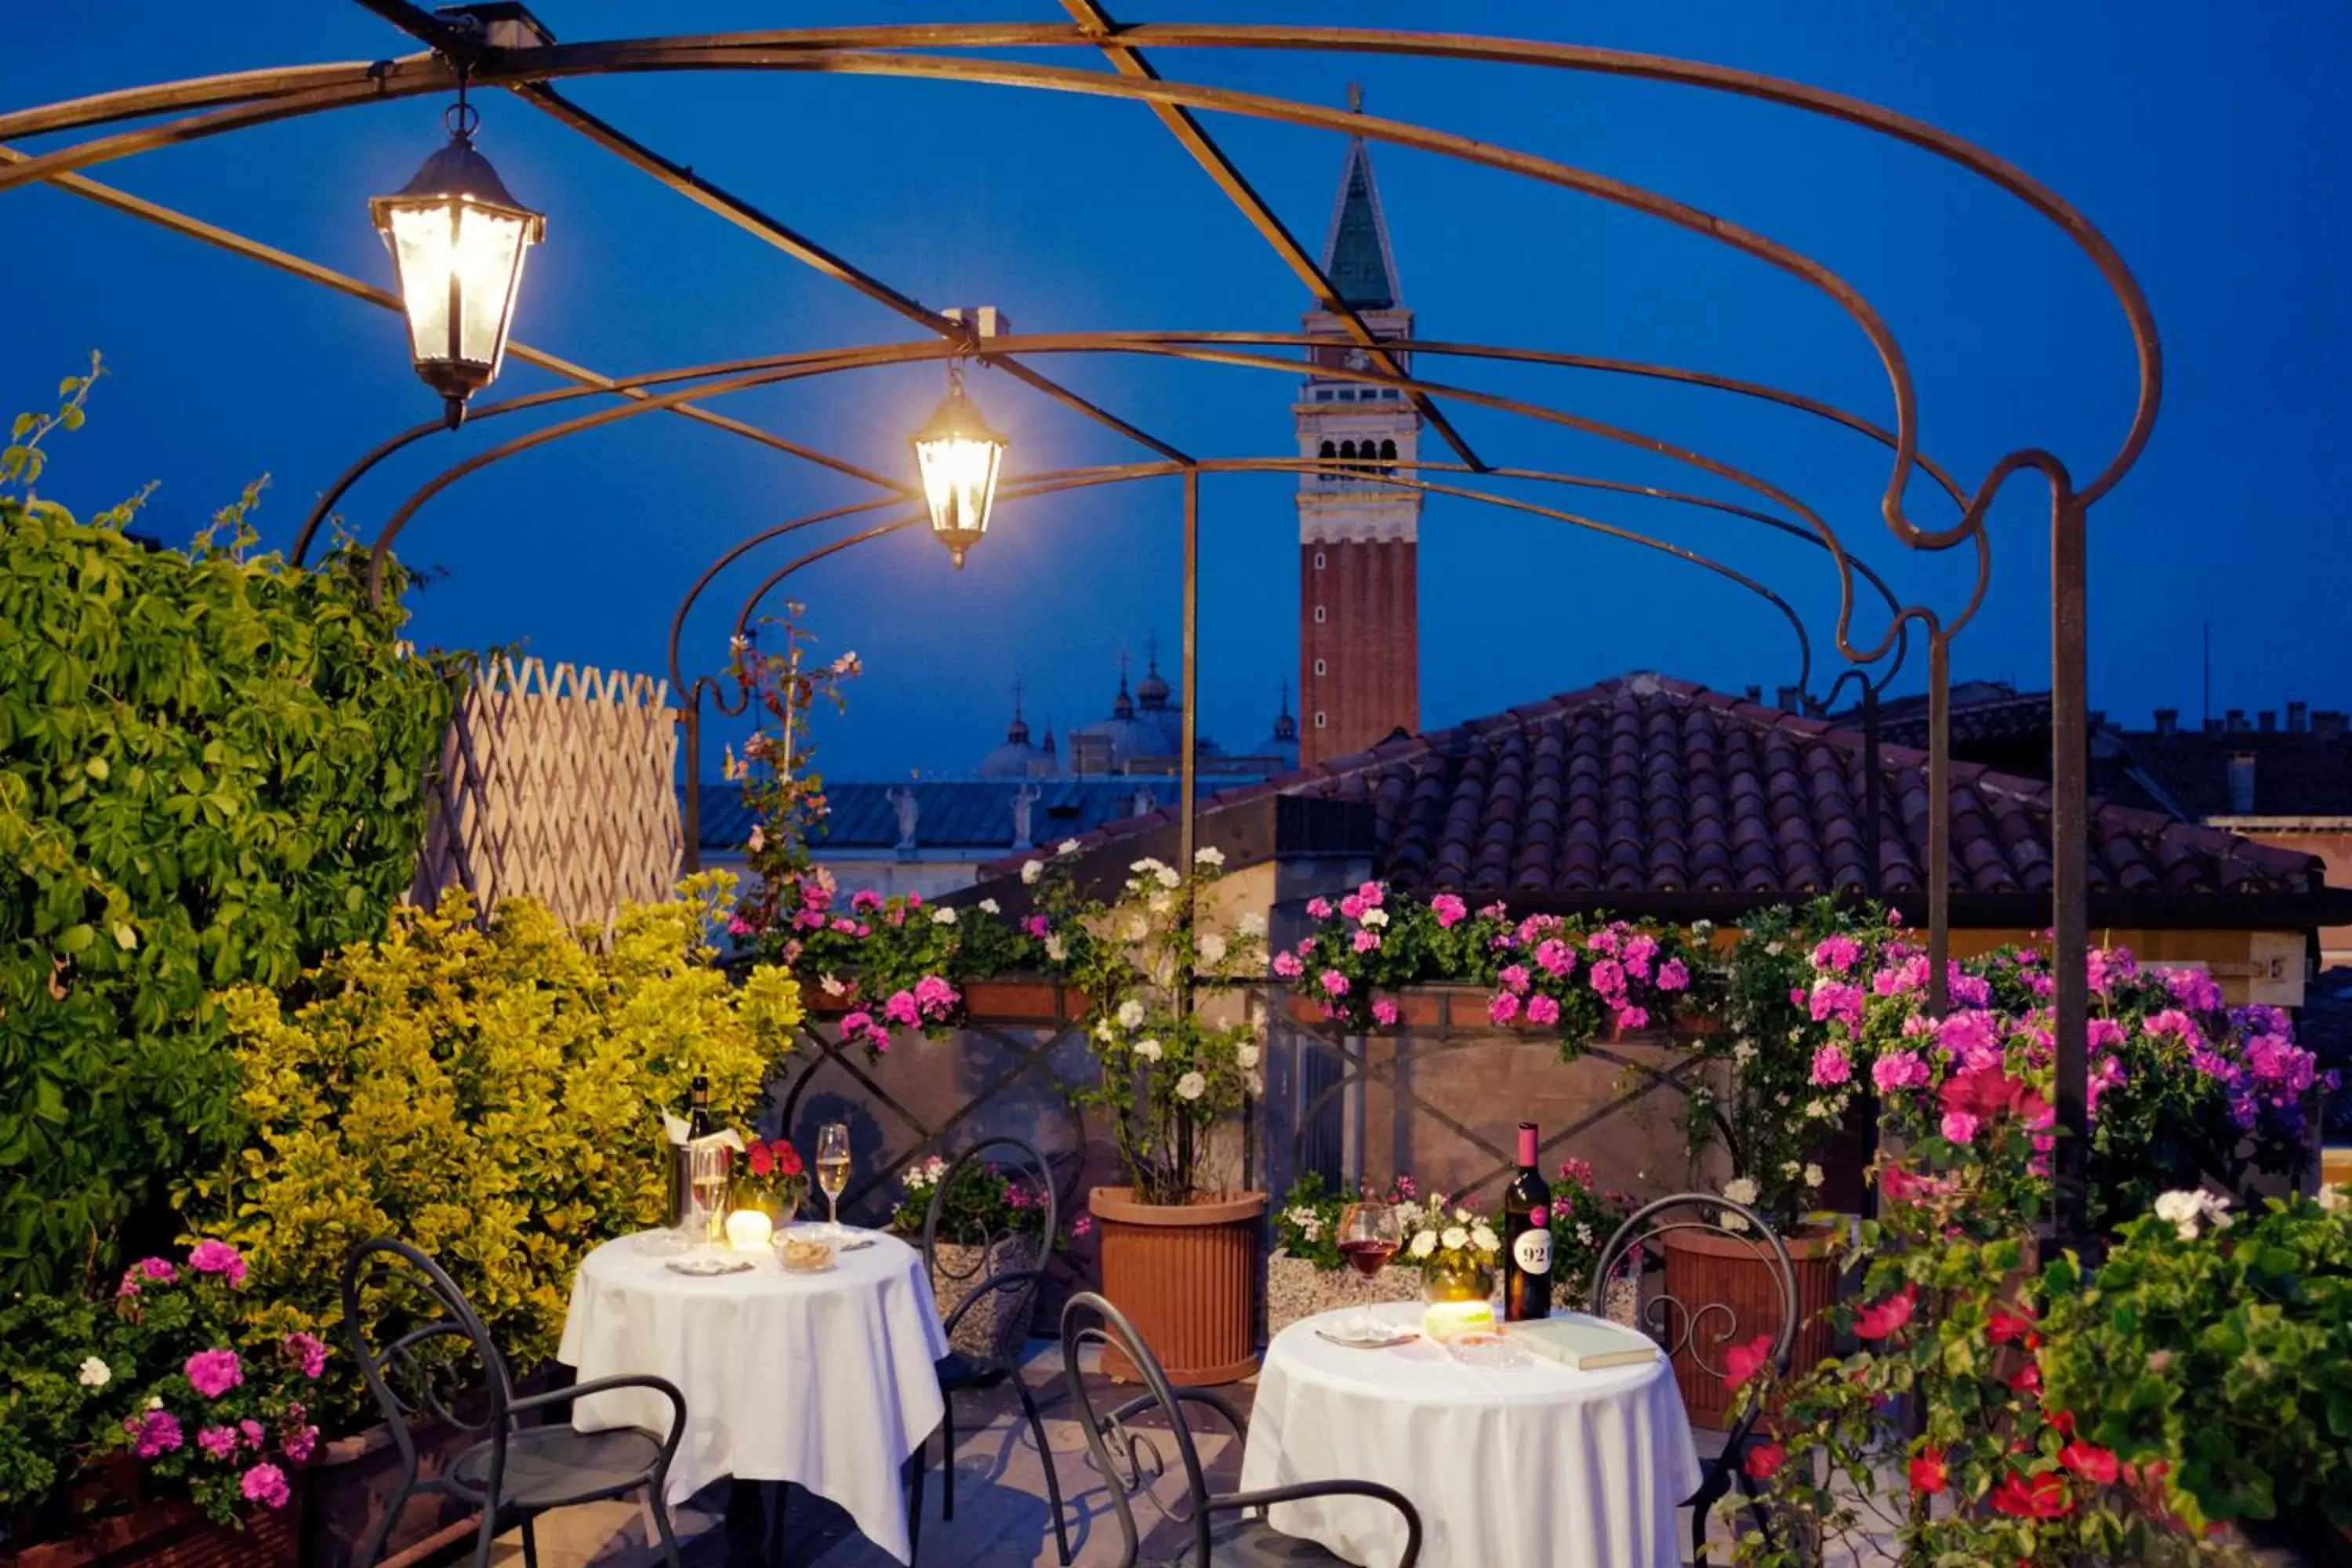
(1444,1235)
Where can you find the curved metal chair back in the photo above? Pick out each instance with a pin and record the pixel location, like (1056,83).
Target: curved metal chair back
(1132,1461)
(422,1372)
(980,1264)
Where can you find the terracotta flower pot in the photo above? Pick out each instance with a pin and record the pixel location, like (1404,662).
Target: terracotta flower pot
(1705,1268)
(1185,1275)
(175,1535)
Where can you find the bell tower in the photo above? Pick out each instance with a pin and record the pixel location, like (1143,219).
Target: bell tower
(1359,584)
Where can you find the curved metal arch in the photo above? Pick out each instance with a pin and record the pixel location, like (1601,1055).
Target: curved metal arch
(823,52)
(1085,343)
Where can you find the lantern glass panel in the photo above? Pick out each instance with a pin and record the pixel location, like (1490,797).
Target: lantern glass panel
(421,249)
(959,474)
(489,253)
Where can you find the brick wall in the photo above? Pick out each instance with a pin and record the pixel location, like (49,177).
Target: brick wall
(1359,640)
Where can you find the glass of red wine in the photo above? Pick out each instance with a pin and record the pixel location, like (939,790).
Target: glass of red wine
(1369,1238)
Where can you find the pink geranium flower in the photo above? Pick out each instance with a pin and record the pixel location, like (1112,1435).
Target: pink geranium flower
(1334,983)
(1831,1066)
(1543,1010)
(266,1484)
(1450,911)
(214,1372)
(220,1442)
(1319,909)
(307,1350)
(1384,1012)
(1504,1008)
(218,1257)
(1555,956)
(1287,964)
(1515,979)
(300,1444)
(1959,1127)
(153,1432)
(1366,940)
(1672,976)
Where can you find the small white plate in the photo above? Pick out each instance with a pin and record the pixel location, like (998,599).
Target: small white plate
(1381,1338)
(707,1268)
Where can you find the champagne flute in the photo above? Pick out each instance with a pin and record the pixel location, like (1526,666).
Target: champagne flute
(1369,1237)
(708,1174)
(833,1172)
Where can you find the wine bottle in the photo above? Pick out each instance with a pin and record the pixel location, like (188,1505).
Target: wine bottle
(697,1119)
(1527,1237)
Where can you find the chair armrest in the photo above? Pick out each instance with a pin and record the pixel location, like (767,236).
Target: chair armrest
(1216,1402)
(1011,1278)
(1300,1491)
(660,1385)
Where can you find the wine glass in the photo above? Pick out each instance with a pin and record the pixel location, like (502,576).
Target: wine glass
(708,1170)
(833,1172)
(1369,1237)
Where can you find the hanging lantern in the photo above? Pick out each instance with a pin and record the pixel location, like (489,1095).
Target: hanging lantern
(457,240)
(958,456)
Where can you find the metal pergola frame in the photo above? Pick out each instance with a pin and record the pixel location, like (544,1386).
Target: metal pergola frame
(457,50)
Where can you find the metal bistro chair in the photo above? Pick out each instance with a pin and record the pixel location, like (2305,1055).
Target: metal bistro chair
(515,1469)
(996,1358)
(1703,1330)
(1131,1460)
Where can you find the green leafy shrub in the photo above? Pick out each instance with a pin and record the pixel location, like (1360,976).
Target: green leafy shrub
(491,1095)
(211,770)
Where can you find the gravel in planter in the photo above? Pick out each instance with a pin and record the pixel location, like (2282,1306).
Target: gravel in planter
(1295,1288)
(994,1328)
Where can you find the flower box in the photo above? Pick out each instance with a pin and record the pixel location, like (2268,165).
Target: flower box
(1446,1004)
(176,1535)
(1041,1000)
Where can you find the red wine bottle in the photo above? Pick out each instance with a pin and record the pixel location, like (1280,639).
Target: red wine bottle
(1527,1237)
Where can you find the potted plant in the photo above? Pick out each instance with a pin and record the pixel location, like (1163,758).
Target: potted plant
(1178,1058)
(989,1224)
(772,1178)
(1583,1218)
(1306,1274)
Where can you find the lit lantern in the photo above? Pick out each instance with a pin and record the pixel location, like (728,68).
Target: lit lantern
(458,239)
(958,456)
(749,1230)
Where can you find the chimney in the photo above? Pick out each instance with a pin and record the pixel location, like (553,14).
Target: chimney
(2242,783)
(2212,726)
(2299,717)
(2327,723)
(1755,694)
(2167,720)
(2236,721)
(1791,698)
(2266,720)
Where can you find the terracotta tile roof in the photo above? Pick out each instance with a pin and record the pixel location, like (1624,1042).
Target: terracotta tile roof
(1645,785)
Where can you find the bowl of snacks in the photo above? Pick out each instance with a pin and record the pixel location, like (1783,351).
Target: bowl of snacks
(804,1252)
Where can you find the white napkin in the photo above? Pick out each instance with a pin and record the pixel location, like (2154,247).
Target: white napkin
(676,1126)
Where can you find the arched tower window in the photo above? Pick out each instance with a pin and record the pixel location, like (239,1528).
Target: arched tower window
(1328,451)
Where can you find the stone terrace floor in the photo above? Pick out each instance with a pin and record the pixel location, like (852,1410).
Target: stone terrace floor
(1001,1512)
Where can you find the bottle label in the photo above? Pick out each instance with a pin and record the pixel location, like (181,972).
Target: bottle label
(1532,1251)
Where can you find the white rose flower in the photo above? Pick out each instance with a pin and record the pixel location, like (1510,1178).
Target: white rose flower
(2181,1210)
(1030,870)
(1159,903)
(830,984)
(1130,1014)
(1169,878)
(1744,1052)
(943,916)
(1790,1168)
(1454,1239)
(1732,1221)
(1462,1216)
(1812,1175)
(1423,1244)
(1246,1055)
(1144,867)
(1105,1033)
(1149,1050)
(96,1373)
(1191,1086)
(1819,1108)
(1375,918)
(1311,1227)
(2334,1198)
(1740,1190)
(1213,948)
(1134,929)
(1208,855)
(1056,949)
(1584,1235)
(1776,947)
(1066,847)
(1254,1085)
(1483,1239)
(156,1402)
(990,905)
(1253,924)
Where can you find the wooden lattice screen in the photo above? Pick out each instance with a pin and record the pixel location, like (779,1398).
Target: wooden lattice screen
(557,784)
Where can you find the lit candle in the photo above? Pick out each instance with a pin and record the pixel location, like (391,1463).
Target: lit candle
(747,1230)
(1442,1321)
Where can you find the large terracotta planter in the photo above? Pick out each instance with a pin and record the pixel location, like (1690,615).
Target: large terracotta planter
(174,1535)
(1186,1275)
(1705,1268)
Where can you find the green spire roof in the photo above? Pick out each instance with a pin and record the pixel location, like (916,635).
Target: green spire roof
(1357,257)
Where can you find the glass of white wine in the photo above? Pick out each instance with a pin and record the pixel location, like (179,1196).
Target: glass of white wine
(707,1167)
(833,1172)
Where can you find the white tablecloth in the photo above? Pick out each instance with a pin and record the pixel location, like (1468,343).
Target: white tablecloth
(1526,1467)
(823,1380)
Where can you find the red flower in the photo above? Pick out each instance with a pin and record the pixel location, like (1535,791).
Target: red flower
(761,1161)
(2027,1379)
(2032,1497)
(2088,1460)
(1879,1322)
(1765,1459)
(1929,1474)
(1744,1362)
(788,1159)
(2006,1327)
(2062,1422)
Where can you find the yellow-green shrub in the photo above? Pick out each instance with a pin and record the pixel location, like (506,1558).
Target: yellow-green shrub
(491,1095)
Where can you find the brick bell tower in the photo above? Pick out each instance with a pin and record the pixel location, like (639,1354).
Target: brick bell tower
(1359,585)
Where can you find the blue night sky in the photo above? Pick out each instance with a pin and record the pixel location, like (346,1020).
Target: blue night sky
(2210,146)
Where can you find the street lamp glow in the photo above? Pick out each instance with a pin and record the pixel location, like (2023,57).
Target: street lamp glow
(457,240)
(957,458)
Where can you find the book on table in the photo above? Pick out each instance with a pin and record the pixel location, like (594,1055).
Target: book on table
(1583,1343)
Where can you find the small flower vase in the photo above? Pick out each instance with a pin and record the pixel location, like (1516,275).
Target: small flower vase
(1457,1298)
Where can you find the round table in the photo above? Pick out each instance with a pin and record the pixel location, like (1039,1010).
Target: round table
(825,1380)
(1527,1467)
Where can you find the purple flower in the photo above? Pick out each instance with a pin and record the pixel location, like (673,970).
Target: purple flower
(1968,990)
(1602,941)
(2173,1021)
(1035,926)
(1450,911)
(218,1257)
(1543,1010)
(220,1442)
(2192,988)
(155,1432)
(266,1484)
(214,1372)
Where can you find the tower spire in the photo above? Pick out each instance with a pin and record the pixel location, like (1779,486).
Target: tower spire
(1357,255)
